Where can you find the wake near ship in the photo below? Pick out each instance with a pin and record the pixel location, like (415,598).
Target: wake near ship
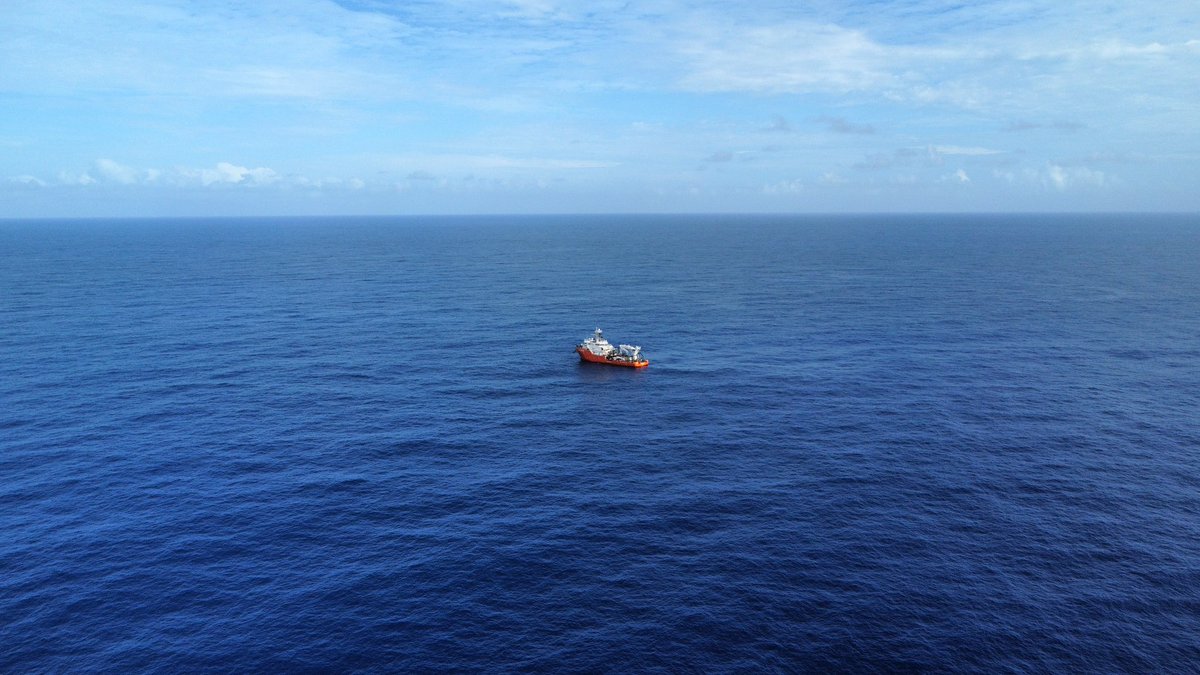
(598,350)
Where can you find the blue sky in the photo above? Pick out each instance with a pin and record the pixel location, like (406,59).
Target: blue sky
(162,107)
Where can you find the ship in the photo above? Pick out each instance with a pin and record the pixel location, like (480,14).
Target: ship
(598,350)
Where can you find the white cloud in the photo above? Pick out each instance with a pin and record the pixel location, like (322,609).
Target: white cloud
(447,163)
(268,49)
(1062,178)
(231,173)
(27,180)
(1056,177)
(71,178)
(326,183)
(980,59)
(961,150)
(784,187)
(1108,50)
(117,173)
(226,173)
(794,57)
(223,173)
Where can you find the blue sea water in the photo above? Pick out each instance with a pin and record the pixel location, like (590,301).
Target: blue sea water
(869,444)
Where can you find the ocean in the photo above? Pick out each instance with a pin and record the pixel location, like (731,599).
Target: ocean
(864,443)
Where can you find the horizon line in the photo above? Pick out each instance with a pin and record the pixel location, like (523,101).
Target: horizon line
(578,214)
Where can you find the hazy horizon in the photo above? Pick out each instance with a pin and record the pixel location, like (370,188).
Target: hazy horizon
(613,214)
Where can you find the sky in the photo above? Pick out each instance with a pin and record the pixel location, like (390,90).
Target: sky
(317,107)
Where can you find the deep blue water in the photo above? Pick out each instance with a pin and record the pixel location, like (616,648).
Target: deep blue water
(920,443)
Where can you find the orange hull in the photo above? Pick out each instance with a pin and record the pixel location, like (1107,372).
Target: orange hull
(592,358)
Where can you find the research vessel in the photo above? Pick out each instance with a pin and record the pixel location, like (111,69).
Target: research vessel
(598,350)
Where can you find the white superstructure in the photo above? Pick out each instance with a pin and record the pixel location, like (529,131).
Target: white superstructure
(598,345)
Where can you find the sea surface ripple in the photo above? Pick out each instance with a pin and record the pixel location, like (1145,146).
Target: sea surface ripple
(869,444)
